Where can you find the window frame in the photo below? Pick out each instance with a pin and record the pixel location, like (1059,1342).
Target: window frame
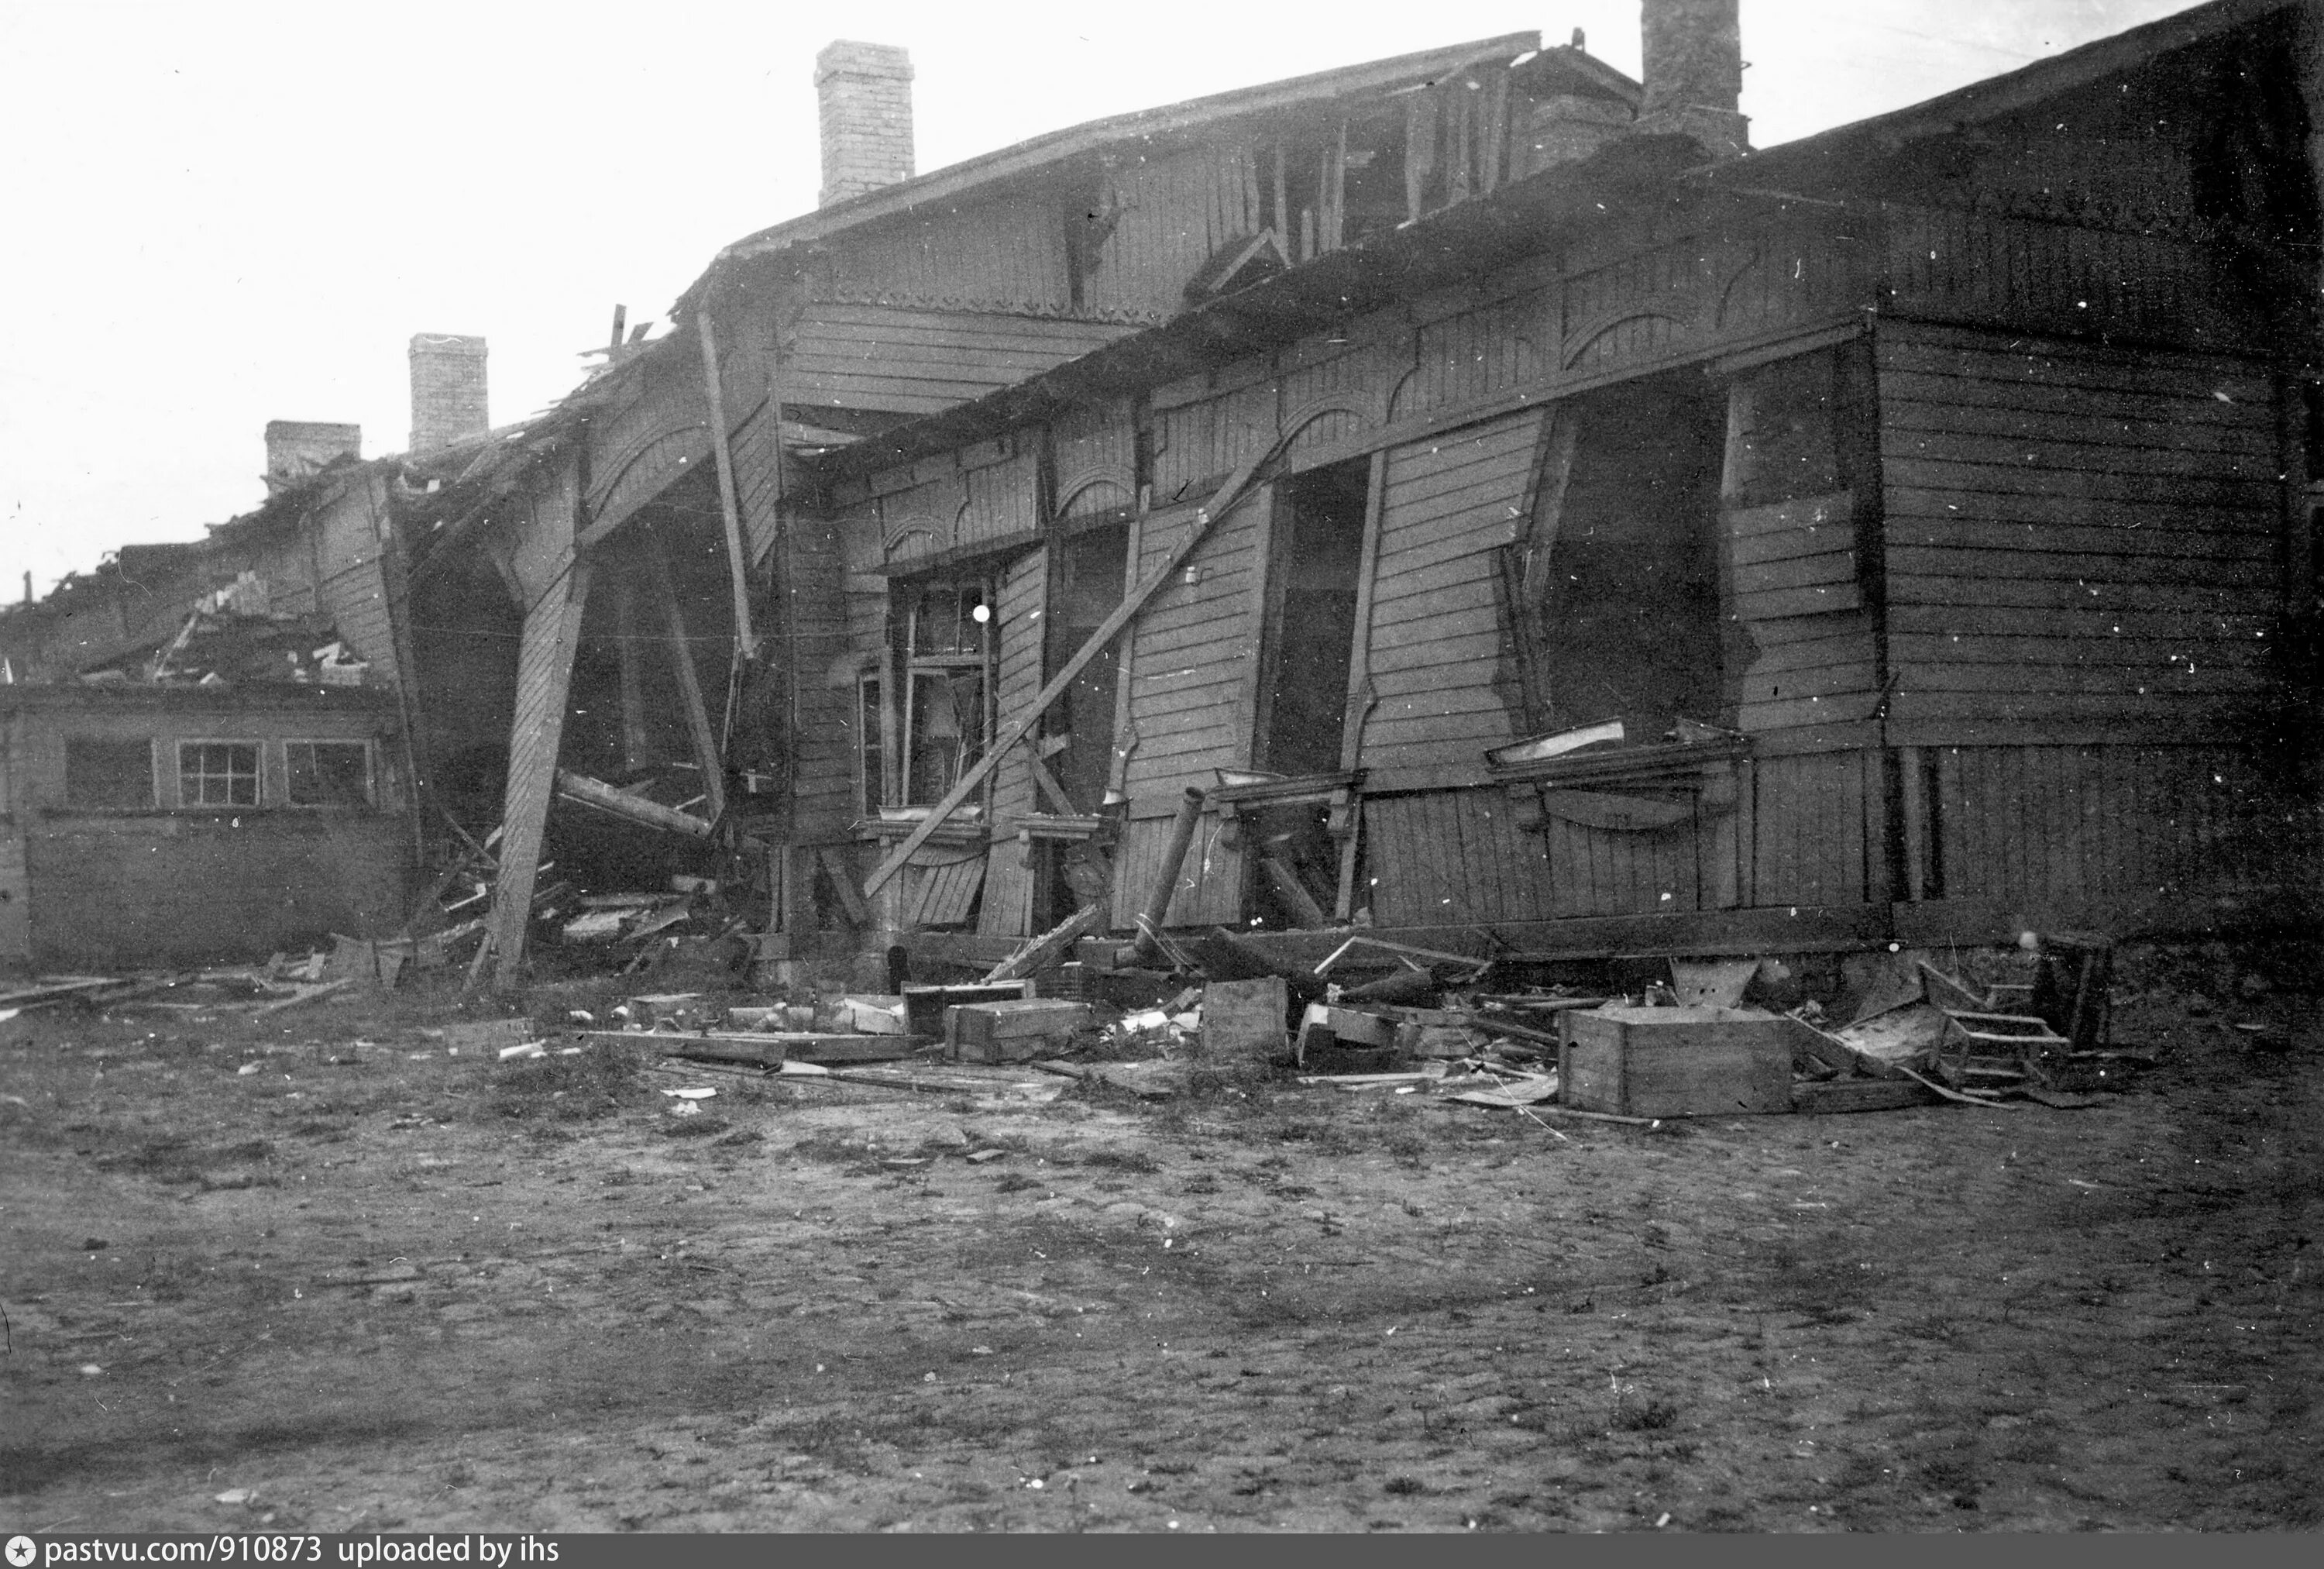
(152,801)
(914,666)
(257,775)
(370,801)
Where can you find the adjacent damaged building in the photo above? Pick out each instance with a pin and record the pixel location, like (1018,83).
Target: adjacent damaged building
(1474,494)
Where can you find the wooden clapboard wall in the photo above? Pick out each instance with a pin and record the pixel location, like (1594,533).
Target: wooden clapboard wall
(1191,652)
(1439,652)
(823,738)
(2078,537)
(852,355)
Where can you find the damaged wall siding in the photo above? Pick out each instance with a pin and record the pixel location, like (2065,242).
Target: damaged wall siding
(852,355)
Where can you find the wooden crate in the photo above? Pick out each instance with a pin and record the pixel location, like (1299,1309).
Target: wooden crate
(1016,1031)
(1674,1062)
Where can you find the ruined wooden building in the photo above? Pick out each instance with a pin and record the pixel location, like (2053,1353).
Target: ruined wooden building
(1522,510)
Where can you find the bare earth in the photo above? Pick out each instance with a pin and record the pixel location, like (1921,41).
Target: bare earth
(372,1287)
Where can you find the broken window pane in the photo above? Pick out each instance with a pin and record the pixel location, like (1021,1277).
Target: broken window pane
(105,772)
(218,773)
(329,773)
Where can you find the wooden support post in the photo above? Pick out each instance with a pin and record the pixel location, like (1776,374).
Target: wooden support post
(1230,495)
(737,559)
(1165,874)
(1046,782)
(636,740)
(707,754)
(552,631)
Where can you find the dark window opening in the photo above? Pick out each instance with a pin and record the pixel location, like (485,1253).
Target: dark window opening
(328,773)
(1085,585)
(1307,641)
(1630,626)
(109,774)
(218,773)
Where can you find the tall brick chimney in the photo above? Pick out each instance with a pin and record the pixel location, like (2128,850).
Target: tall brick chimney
(296,448)
(864,93)
(1694,73)
(447,390)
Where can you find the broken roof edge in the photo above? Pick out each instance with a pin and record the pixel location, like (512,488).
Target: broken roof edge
(1997,97)
(1190,115)
(1484,231)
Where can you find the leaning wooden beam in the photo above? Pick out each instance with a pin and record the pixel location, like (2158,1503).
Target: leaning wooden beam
(597,793)
(721,449)
(1229,496)
(707,754)
(544,674)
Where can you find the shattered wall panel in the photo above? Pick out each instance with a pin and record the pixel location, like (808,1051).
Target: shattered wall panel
(1191,658)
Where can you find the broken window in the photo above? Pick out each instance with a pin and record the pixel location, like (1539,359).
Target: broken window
(1308,636)
(218,773)
(1627,621)
(328,773)
(947,662)
(105,773)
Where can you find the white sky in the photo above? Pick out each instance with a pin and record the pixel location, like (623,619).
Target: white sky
(231,212)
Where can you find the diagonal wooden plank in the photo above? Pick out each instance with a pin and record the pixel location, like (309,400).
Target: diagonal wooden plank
(1229,496)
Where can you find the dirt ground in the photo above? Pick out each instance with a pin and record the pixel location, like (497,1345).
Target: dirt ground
(314,1261)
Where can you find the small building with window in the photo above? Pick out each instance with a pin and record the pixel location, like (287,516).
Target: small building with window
(145,824)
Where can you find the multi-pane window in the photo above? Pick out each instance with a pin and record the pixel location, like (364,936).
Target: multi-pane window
(328,773)
(218,773)
(871,772)
(104,773)
(947,691)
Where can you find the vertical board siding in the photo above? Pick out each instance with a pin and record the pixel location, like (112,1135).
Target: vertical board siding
(1808,841)
(1451,856)
(1441,659)
(1094,450)
(2074,534)
(2051,827)
(1194,644)
(1209,889)
(1006,253)
(1172,212)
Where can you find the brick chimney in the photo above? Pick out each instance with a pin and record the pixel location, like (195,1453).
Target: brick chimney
(1694,73)
(863,94)
(447,391)
(297,448)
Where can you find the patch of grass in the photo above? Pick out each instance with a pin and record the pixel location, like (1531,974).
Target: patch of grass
(1405,1486)
(1644,1415)
(1136,1160)
(601,1080)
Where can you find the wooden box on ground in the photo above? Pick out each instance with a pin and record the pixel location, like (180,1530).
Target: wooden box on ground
(1246,1019)
(1676,1062)
(1016,1031)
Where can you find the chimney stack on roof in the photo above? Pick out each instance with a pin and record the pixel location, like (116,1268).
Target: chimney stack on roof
(447,391)
(863,97)
(297,449)
(1693,73)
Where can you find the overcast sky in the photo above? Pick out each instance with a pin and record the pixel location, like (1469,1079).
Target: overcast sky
(226,213)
